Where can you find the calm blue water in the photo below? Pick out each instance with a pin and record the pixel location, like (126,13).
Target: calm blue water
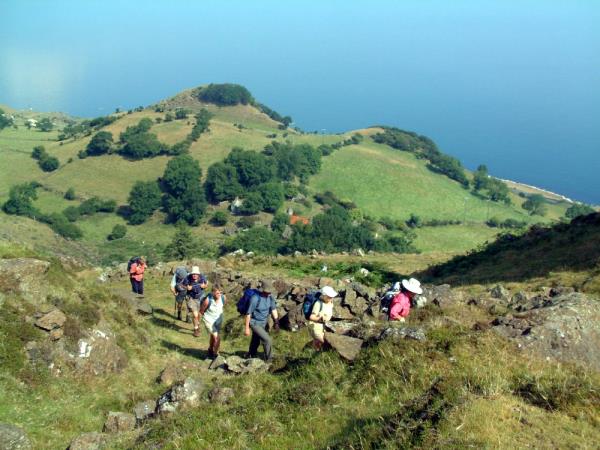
(513,84)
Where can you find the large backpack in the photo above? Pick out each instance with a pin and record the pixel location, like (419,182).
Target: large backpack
(243,303)
(309,302)
(131,262)
(180,276)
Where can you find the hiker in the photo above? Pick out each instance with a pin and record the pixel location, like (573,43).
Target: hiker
(212,317)
(400,306)
(387,298)
(321,312)
(179,290)
(136,275)
(195,285)
(256,318)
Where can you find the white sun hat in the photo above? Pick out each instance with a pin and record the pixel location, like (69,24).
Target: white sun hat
(412,285)
(195,270)
(329,291)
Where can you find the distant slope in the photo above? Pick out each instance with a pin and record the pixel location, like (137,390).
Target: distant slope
(573,247)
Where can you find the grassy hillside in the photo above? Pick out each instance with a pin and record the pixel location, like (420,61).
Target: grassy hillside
(381,181)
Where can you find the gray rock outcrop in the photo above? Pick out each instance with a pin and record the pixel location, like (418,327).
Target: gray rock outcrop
(119,422)
(13,438)
(347,347)
(24,277)
(88,441)
(183,394)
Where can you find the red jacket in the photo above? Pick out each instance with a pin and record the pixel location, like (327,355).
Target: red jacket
(137,271)
(400,306)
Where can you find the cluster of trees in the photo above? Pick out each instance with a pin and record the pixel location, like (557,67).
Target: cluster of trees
(5,120)
(285,121)
(85,128)
(424,148)
(333,230)
(20,202)
(493,188)
(46,162)
(578,209)
(536,205)
(494,222)
(88,207)
(226,94)
(136,142)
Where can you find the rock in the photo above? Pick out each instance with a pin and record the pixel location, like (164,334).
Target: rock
(238,365)
(348,347)
(88,441)
(349,296)
(520,301)
(24,277)
(220,395)
(230,230)
(357,306)
(282,287)
(340,326)
(218,363)
(13,438)
(358,252)
(500,292)
(119,422)
(297,254)
(340,312)
(144,308)
(183,394)
(560,290)
(565,327)
(143,411)
(398,333)
(99,354)
(360,289)
(326,281)
(420,301)
(56,334)
(254,365)
(235,364)
(50,321)
(170,375)
(294,319)
(441,295)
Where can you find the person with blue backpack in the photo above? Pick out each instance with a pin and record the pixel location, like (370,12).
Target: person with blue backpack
(261,305)
(195,285)
(212,317)
(179,291)
(318,309)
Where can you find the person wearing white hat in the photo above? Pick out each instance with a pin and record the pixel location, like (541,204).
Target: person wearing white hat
(322,311)
(400,307)
(195,285)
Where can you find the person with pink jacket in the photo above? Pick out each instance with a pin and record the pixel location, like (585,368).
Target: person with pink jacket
(400,306)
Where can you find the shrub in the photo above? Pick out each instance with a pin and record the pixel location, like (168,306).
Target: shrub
(226,94)
(38,152)
(253,203)
(49,163)
(100,144)
(256,239)
(219,218)
(144,199)
(60,225)
(181,113)
(20,199)
(71,213)
(414,221)
(247,222)
(272,196)
(222,183)
(183,245)
(578,209)
(119,231)
(70,194)
(535,204)
(184,197)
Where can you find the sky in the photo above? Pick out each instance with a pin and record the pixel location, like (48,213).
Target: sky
(512,84)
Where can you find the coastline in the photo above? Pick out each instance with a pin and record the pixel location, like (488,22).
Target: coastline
(545,192)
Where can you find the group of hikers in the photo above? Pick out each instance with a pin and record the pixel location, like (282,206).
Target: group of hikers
(257,305)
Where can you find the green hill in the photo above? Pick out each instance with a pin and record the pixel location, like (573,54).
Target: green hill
(381,181)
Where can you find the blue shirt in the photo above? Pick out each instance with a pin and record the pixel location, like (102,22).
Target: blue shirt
(260,308)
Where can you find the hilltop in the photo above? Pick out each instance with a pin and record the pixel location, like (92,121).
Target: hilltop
(380,182)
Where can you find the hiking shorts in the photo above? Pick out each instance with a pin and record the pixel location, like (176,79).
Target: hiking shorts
(213,327)
(193,305)
(317,331)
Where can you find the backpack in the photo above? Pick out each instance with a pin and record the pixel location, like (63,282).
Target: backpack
(180,276)
(386,300)
(309,301)
(132,261)
(243,303)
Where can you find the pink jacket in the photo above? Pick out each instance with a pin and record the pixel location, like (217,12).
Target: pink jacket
(137,271)
(400,306)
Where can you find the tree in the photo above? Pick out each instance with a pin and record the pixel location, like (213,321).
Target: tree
(222,183)
(70,194)
(414,221)
(20,199)
(45,124)
(535,204)
(279,222)
(498,191)
(119,231)
(578,209)
(226,94)
(219,218)
(252,168)
(256,239)
(183,245)
(5,120)
(144,199)
(272,196)
(253,203)
(181,113)
(142,145)
(480,178)
(49,163)
(100,144)
(184,197)
(38,152)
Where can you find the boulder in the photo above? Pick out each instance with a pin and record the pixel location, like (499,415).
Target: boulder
(221,395)
(52,320)
(326,281)
(340,326)
(119,422)
(56,334)
(357,306)
(237,365)
(183,394)
(13,438)
(24,277)
(88,441)
(349,295)
(565,327)
(143,411)
(347,347)
(397,333)
(360,289)
(143,308)
(560,290)
(282,288)
(441,295)
(294,319)
(99,354)
(170,375)
(500,292)
(218,363)
(340,312)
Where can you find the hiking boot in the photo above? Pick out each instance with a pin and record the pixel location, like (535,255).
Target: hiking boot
(178,315)
(197,332)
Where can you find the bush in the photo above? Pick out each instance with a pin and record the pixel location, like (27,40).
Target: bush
(226,94)
(183,245)
(49,163)
(578,209)
(219,218)
(119,231)
(60,225)
(256,239)
(414,221)
(247,222)
(181,113)
(535,204)
(144,199)
(20,199)
(253,203)
(38,152)
(100,144)
(222,183)
(70,194)
(184,197)
(71,213)
(272,196)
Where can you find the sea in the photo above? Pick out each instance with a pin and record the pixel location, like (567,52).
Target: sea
(511,84)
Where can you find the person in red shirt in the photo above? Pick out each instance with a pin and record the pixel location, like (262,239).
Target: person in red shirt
(400,306)
(136,273)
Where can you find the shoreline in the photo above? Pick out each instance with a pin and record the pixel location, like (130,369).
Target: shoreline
(545,191)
